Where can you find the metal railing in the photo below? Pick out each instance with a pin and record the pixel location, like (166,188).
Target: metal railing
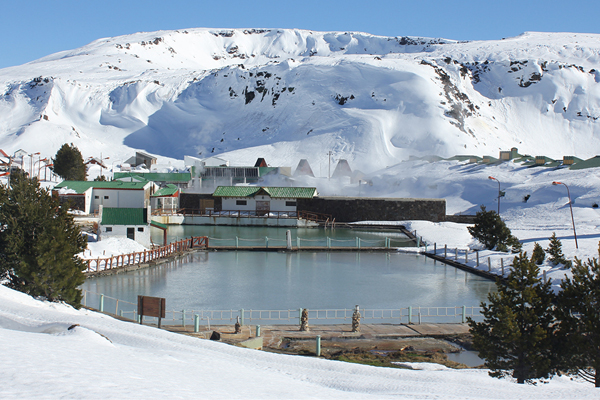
(403,315)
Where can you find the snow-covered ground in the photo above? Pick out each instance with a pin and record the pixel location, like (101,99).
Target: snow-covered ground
(103,358)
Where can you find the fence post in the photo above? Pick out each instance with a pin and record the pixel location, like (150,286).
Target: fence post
(196,323)
(257,330)
(242,317)
(266,242)
(464,314)
(419,317)
(502,265)
(466,256)
(489,265)
(101,303)
(288,239)
(418,241)
(434,248)
(410,314)
(298,242)
(318,346)
(183,318)
(456,254)
(445,251)
(237,242)
(477,252)
(300,317)
(328,242)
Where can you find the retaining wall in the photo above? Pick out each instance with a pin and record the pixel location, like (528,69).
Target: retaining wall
(348,209)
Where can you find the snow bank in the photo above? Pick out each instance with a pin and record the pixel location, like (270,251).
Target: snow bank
(103,358)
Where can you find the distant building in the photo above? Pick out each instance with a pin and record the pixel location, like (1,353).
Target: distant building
(304,169)
(180,179)
(261,200)
(342,169)
(131,223)
(144,158)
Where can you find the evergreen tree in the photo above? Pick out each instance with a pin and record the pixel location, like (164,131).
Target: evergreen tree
(68,163)
(555,253)
(38,243)
(492,232)
(538,255)
(579,314)
(516,335)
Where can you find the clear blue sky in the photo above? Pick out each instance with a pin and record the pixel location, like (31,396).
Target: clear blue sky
(35,28)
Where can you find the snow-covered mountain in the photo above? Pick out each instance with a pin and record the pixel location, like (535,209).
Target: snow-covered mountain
(292,94)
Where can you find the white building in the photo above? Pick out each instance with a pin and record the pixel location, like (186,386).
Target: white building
(88,196)
(262,200)
(131,223)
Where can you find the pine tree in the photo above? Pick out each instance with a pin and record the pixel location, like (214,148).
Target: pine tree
(555,253)
(492,232)
(538,255)
(38,243)
(579,314)
(516,335)
(68,163)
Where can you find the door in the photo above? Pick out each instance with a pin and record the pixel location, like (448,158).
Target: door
(262,207)
(131,233)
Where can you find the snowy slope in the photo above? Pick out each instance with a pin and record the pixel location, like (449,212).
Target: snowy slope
(291,94)
(103,358)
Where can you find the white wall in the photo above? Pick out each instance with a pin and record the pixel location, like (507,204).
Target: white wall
(120,231)
(229,204)
(118,198)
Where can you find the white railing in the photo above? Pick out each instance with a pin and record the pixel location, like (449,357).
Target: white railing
(403,315)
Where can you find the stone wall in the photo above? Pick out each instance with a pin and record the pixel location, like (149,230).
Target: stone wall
(348,209)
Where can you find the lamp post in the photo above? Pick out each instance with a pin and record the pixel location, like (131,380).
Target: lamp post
(329,170)
(571,207)
(494,179)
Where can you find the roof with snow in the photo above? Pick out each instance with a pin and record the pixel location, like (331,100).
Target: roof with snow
(168,191)
(156,176)
(80,187)
(275,192)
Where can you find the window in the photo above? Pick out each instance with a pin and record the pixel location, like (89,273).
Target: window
(140,229)
(96,197)
(290,204)
(241,202)
(109,229)
(105,197)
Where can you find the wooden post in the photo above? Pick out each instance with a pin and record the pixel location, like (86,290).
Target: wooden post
(489,265)
(502,266)
(445,251)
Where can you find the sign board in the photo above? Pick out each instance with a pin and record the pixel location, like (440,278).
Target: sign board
(151,307)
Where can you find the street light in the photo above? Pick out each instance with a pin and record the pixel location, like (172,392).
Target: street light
(494,179)
(571,207)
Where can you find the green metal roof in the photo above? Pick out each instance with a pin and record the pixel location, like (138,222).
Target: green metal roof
(276,192)
(81,186)
(169,190)
(158,225)
(589,163)
(157,176)
(124,216)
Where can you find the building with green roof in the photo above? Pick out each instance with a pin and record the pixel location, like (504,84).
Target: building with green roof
(131,223)
(261,200)
(165,199)
(179,179)
(88,196)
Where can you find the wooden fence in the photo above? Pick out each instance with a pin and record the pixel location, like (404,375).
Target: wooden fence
(122,260)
